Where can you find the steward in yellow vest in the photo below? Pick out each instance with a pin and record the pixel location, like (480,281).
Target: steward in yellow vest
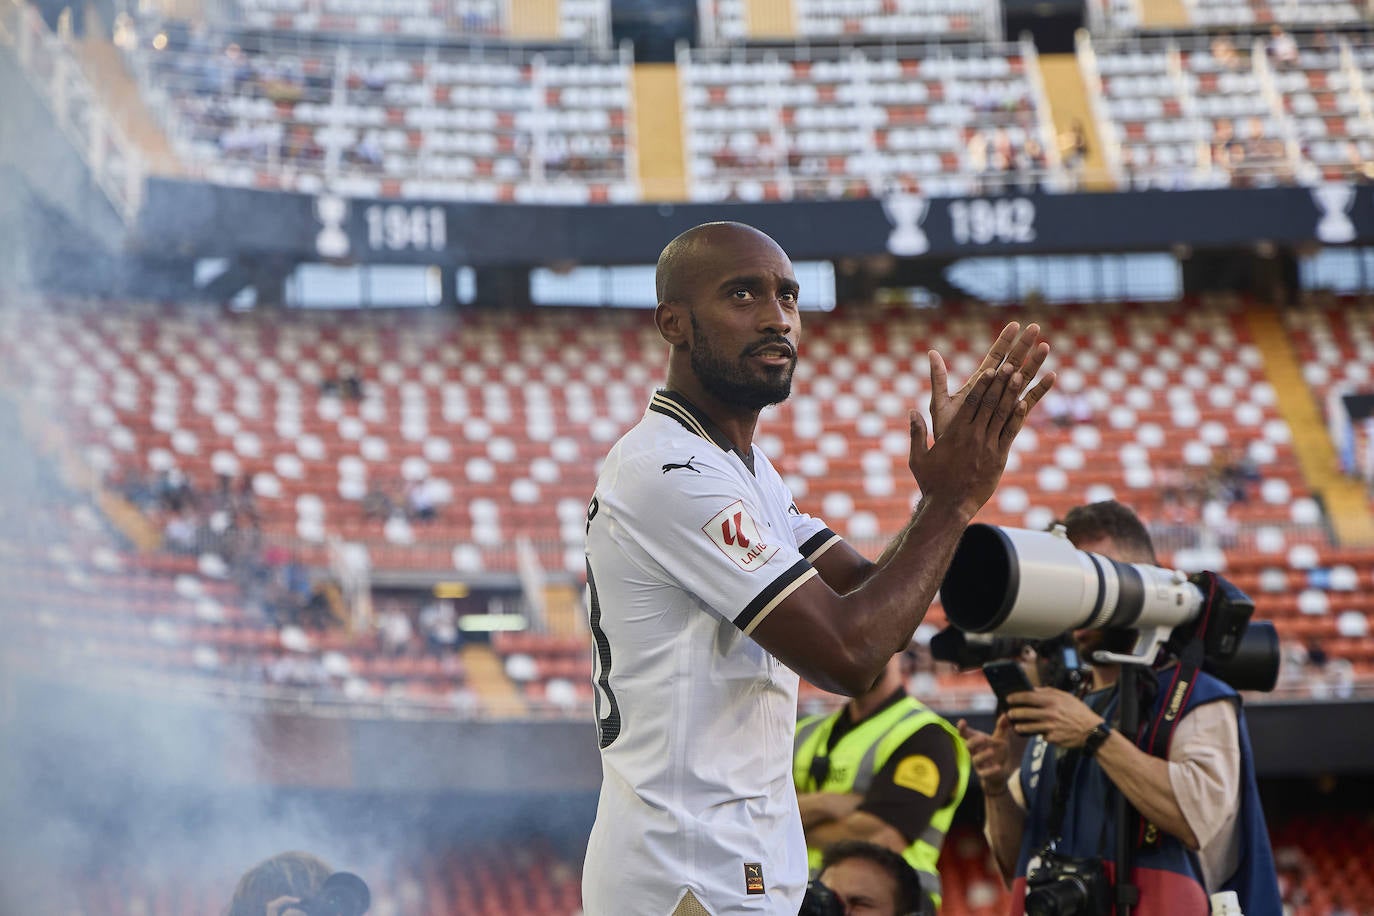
(884,769)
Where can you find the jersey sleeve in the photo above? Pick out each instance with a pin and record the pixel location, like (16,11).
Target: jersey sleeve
(812,535)
(916,781)
(707,534)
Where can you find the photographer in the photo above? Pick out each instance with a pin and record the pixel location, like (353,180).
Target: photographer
(298,884)
(1200,829)
(273,885)
(871,880)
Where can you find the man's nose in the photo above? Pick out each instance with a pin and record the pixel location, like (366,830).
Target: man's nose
(775,316)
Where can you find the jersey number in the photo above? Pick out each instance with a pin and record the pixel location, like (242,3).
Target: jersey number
(607,717)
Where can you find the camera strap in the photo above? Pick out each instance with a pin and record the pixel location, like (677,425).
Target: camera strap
(1065,769)
(1158,735)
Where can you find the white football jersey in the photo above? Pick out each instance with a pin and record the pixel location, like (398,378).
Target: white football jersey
(687,551)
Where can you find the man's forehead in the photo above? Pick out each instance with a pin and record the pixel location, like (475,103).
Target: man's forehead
(739,251)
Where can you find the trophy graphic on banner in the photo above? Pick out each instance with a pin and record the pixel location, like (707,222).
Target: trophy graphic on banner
(906,213)
(1333,203)
(332,241)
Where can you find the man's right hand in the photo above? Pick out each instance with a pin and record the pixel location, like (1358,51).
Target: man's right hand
(991,754)
(283,906)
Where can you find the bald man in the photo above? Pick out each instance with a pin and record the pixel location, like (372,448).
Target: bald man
(709,591)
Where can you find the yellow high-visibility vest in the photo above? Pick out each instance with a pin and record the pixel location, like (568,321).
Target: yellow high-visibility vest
(861,753)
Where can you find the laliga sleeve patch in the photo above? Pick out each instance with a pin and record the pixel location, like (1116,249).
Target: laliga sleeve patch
(737,535)
(919,774)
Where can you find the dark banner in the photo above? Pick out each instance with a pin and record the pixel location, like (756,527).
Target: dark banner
(204,220)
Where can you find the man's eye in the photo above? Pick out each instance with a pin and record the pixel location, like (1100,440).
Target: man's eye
(741,294)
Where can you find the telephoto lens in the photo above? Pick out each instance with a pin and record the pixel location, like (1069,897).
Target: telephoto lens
(1036,584)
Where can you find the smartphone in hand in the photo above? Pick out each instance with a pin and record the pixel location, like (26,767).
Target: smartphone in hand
(1005,677)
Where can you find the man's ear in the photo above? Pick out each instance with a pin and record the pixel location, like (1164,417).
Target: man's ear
(673,323)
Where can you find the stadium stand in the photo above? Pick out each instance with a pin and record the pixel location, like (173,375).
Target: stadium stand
(783,124)
(497,420)
(1191,113)
(1132,15)
(728,22)
(578,21)
(1334,346)
(504,124)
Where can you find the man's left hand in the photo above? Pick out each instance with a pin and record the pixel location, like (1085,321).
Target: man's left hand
(1061,717)
(1023,350)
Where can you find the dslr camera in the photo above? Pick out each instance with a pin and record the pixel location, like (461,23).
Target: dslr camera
(1064,886)
(343,894)
(820,901)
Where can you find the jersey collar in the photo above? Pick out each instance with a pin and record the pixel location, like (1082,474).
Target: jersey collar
(671,404)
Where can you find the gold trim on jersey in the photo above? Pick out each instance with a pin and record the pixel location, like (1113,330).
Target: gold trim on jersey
(778,599)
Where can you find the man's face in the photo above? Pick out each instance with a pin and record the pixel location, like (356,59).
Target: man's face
(863,887)
(744,320)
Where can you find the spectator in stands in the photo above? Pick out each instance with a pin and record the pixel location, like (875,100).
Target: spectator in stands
(978,160)
(421,500)
(872,880)
(1358,167)
(395,630)
(1001,158)
(1066,410)
(297,669)
(1228,153)
(1283,50)
(439,624)
(378,504)
(883,769)
(1073,152)
(271,886)
(350,383)
(1031,163)
(1264,154)
(1201,800)
(695,741)
(1224,53)
(367,153)
(179,534)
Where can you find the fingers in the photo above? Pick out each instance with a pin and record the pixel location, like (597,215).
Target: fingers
(917,424)
(1023,346)
(1041,388)
(1018,416)
(939,375)
(999,398)
(1002,347)
(973,399)
(280,905)
(1035,357)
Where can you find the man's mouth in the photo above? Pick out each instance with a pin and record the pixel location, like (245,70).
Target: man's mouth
(775,354)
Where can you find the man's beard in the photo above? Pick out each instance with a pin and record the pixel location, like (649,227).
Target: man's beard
(731,382)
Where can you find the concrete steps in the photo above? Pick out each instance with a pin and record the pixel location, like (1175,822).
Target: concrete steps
(1346,502)
(660,150)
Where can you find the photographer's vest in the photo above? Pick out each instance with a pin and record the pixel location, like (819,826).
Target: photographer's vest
(860,754)
(1166,872)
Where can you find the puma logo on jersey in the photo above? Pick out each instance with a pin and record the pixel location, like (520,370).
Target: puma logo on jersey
(753,878)
(736,533)
(687,466)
